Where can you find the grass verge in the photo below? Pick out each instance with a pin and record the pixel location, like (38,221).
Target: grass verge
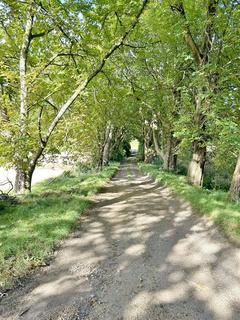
(214,204)
(30,230)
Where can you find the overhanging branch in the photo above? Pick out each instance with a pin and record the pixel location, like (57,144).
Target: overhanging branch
(82,86)
(187,33)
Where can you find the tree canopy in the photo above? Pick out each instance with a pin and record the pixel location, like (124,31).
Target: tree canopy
(89,76)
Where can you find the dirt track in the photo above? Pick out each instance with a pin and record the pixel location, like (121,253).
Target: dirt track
(139,254)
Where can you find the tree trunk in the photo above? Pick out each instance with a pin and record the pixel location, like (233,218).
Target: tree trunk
(23,70)
(140,154)
(107,145)
(197,164)
(147,151)
(170,157)
(157,147)
(23,180)
(170,161)
(148,154)
(24,176)
(235,184)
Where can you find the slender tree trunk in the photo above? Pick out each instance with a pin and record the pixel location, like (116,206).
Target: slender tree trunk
(23,70)
(157,146)
(170,157)
(107,144)
(141,155)
(24,176)
(147,145)
(235,184)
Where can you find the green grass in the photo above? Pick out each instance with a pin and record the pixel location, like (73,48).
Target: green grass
(214,204)
(30,230)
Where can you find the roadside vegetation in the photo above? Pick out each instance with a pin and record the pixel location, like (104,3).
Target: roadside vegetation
(31,228)
(85,78)
(212,203)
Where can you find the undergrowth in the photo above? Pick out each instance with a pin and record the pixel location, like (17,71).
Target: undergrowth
(213,203)
(30,229)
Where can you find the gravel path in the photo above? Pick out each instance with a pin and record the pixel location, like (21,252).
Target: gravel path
(139,254)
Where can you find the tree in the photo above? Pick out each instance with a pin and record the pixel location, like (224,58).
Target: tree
(171,82)
(235,185)
(200,51)
(64,44)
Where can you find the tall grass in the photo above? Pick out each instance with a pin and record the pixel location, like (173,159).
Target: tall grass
(213,203)
(29,230)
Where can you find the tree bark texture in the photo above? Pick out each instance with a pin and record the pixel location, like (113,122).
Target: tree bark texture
(197,164)
(107,144)
(235,184)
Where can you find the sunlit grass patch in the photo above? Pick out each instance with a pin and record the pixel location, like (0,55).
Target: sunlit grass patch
(29,230)
(214,204)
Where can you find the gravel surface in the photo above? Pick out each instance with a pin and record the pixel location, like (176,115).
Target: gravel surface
(140,253)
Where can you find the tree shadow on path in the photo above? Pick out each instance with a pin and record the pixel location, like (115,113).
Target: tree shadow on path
(140,253)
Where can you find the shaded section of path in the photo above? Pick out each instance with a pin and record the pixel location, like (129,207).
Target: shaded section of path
(140,253)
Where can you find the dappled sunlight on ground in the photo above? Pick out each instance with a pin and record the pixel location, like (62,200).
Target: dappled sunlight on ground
(140,253)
